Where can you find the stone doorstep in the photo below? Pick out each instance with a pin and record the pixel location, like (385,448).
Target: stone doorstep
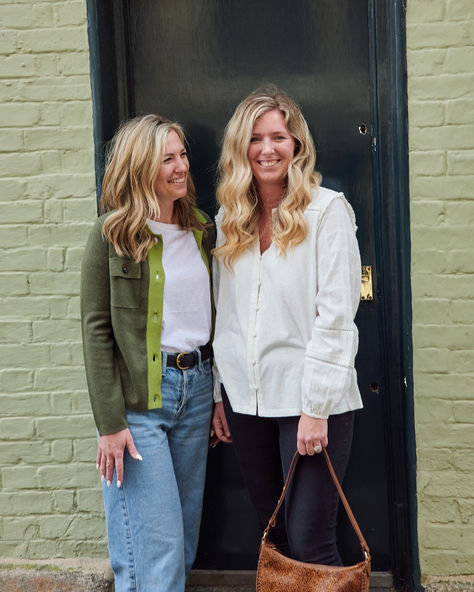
(244,581)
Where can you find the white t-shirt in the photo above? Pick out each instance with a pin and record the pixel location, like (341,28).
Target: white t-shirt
(187,317)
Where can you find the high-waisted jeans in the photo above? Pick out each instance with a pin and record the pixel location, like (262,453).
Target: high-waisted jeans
(306,525)
(153,520)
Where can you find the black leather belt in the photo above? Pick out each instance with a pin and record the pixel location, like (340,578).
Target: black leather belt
(185,360)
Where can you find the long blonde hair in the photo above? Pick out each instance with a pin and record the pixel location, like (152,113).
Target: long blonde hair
(236,190)
(134,158)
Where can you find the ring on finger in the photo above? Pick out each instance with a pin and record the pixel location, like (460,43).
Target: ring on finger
(318,448)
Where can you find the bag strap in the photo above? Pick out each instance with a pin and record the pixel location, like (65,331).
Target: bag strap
(289,477)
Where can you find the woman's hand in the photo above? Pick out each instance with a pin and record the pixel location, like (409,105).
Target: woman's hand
(110,455)
(312,432)
(219,424)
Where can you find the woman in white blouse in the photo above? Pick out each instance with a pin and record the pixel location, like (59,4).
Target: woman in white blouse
(287,290)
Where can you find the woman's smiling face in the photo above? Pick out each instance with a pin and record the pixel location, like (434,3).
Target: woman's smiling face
(171,182)
(271,149)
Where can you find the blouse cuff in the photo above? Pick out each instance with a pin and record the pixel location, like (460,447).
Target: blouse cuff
(325,384)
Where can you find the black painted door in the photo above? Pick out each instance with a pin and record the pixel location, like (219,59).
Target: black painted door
(193,61)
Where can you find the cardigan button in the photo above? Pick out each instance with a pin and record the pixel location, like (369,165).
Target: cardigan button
(124,268)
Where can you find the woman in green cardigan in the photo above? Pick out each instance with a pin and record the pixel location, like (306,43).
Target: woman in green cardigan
(147,321)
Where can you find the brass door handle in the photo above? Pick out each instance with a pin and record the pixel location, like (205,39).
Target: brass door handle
(366,292)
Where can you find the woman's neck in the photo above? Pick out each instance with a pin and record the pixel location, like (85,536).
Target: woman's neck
(270,197)
(167,213)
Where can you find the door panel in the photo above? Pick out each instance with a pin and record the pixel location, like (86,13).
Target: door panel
(193,62)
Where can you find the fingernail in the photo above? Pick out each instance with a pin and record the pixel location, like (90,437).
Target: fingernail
(212,433)
(139,457)
(96,466)
(102,478)
(109,483)
(119,483)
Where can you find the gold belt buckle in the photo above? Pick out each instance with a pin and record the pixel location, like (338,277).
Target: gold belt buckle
(178,361)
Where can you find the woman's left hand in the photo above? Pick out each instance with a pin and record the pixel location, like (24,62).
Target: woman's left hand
(312,433)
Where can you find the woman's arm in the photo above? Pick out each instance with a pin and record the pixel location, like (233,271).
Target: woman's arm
(220,428)
(329,362)
(103,377)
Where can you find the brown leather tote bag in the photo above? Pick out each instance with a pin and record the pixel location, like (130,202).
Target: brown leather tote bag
(278,573)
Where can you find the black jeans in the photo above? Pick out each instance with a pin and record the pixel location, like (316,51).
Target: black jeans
(306,525)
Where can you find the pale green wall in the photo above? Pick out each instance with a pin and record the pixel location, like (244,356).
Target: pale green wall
(440,42)
(50,503)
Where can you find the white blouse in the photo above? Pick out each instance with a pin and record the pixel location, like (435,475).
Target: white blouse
(285,338)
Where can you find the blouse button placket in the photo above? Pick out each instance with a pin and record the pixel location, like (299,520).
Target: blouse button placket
(254,333)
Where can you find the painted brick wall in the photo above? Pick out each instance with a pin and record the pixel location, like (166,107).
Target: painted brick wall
(441,112)
(50,504)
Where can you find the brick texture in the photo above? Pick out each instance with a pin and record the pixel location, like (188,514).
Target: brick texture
(440,53)
(50,502)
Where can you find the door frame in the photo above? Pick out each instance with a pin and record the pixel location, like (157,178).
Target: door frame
(112,98)
(387,18)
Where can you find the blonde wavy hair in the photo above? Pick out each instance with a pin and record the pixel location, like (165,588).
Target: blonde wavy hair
(134,158)
(236,190)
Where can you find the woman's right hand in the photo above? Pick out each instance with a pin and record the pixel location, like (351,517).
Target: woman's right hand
(219,424)
(110,455)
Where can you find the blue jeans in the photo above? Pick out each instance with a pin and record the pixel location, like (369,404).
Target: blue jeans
(153,519)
